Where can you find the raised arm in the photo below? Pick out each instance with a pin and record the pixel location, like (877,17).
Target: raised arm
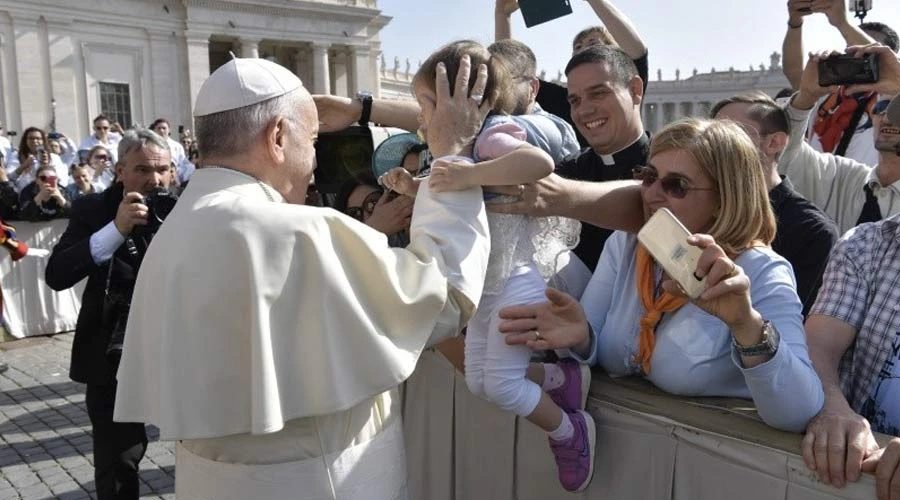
(337,113)
(620,28)
(836,12)
(792,47)
(503,9)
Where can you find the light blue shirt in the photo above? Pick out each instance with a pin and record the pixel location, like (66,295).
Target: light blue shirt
(693,355)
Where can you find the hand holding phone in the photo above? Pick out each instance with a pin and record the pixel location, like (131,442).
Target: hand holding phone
(666,239)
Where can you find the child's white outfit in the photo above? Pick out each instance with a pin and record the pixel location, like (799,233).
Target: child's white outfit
(523,258)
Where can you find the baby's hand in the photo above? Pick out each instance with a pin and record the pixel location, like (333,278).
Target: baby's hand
(450,177)
(399,180)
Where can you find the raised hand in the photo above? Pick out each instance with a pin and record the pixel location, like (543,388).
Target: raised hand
(399,180)
(392,216)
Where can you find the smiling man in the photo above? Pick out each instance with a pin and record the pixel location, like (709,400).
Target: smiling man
(605,94)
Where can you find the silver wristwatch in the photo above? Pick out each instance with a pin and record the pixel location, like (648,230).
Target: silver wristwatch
(769,344)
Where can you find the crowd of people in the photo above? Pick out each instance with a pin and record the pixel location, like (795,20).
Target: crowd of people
(508,212)
(47,171)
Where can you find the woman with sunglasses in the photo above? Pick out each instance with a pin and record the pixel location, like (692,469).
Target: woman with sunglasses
(33,154)
(43,199)
(366,203)
(101,161)
(743,337)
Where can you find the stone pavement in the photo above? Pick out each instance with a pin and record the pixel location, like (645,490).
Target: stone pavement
(45,433)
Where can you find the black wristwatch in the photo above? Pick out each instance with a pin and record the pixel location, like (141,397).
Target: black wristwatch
(769,344)
(365,97)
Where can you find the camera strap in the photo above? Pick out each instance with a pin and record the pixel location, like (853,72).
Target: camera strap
(850,130)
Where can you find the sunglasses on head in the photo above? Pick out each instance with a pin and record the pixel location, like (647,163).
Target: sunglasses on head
(881,107)
(672,185)
(368,206)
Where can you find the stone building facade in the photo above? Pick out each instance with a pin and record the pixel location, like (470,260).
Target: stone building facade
(62,62)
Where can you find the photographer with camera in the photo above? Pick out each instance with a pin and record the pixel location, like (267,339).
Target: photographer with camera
(33,153)
(105,240)
(850,192)
(42,199)
(842,120)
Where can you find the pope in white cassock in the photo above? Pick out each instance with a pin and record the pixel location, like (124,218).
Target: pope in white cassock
(270,337)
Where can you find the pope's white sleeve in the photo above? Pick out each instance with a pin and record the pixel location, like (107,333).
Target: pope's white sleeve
(461,255)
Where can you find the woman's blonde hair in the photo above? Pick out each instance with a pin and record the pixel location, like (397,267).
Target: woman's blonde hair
(729,158)
(498,91)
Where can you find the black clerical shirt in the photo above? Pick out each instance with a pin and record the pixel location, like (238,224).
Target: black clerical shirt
(589,166)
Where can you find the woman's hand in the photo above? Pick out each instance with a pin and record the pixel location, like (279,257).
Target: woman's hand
(558,324)
(43,194)
(391,217)
(27,165)
(727,294)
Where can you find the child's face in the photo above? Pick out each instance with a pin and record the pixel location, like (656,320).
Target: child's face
(82,176)
(427,99)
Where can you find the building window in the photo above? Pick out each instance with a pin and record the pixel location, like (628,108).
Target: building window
(115,102)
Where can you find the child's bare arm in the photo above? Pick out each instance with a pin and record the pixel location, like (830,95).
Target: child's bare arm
(522,165)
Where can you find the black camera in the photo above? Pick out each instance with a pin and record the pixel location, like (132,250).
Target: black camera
(160,203)
(846,69)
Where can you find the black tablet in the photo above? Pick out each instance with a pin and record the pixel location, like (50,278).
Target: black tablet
(536,12)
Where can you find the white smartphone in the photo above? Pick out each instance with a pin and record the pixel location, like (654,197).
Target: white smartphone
(665,237)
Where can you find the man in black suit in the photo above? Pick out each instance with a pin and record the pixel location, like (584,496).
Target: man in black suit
(92,247)
(805,233)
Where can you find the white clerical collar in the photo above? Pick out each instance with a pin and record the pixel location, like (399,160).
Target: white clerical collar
(271,193)
(610,159)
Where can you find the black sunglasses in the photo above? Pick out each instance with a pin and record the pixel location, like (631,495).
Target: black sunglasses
(673,185)
(368,206)
(880,107)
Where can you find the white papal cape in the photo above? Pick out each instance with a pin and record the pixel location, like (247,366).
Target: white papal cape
(271,337)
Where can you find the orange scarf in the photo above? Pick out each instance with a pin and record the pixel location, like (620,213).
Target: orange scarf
(646,285)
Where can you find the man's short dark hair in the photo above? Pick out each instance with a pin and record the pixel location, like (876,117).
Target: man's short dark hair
(101,117)
(621,67)
(159,121)
(890,36)
(763,110)
(517,56)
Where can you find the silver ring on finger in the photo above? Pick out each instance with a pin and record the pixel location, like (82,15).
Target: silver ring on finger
(537,336)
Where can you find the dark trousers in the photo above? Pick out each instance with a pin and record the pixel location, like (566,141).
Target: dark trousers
(118,447)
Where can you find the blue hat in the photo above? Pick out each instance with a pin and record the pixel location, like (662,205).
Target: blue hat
(391,151)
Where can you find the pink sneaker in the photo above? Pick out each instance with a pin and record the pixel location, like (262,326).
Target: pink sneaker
(572,395)
(575,456)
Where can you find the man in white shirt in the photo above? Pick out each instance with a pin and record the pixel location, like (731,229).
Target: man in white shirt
(102,137)
(848,191)
(278,333)
(183,167)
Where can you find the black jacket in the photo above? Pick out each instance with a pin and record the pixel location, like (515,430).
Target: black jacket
(70,262)
(804,237)
(50,209)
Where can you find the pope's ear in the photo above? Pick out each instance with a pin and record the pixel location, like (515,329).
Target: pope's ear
(276,135)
